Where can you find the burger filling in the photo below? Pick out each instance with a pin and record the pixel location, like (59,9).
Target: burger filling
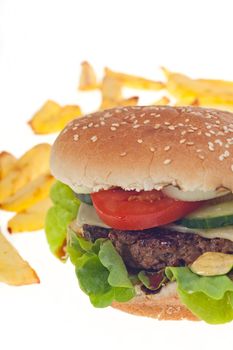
(121,239)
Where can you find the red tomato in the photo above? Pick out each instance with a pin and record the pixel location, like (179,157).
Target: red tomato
(131,210)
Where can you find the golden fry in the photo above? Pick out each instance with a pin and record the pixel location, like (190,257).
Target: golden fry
(135,82)
(209,93)
(131,101)
(31,219)
(13,269)
(7,161)
(163,101)
(30,194)
(88,79)
(52,117)
(33,163)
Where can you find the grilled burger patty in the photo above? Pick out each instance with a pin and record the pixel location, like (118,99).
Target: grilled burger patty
(156,248)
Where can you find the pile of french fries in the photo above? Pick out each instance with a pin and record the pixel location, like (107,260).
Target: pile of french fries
(25,182)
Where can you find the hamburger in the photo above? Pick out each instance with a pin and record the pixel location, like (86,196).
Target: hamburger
(143,207)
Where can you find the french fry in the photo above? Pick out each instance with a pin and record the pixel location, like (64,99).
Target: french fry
(88,79)
(13,269)
(30,194)
(163,101)
(7,161)
(131,101)
(111,89)
(33,163)
(135,82)
(31,219)
(208,93)
(52,117)
(112,94)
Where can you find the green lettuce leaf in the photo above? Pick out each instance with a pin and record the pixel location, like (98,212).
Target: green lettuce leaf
(209,298)
(100,270)
(59,216)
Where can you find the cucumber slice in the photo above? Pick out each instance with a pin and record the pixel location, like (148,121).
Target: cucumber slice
(210,216)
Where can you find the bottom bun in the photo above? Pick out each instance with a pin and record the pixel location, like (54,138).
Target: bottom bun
(165,305)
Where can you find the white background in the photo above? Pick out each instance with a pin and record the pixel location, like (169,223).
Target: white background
(41,46)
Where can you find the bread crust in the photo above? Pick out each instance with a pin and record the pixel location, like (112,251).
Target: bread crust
(163,306)
(144,148)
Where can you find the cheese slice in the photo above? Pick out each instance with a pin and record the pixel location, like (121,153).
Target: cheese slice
(220,232)
(87,215)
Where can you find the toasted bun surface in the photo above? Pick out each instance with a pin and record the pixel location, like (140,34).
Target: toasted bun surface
(163,306)
(144,148)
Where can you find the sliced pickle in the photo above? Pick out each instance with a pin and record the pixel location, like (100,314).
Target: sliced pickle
(212,264)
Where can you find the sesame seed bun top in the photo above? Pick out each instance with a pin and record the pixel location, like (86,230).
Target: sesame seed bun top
(148,147)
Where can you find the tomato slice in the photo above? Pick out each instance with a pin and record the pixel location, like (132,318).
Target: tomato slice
(131,210)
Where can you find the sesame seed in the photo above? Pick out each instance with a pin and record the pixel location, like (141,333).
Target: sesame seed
(136,126)
(167,148)
(190,130)
(152,149)
(201,156)
(180,124)
(207,134)
(135,121)
(84,127)
(74,128)
(186,120)
(199,132)
(189,143)
(96,125)
(94,138)
(123,154)
(102,123)
(115,124)
(108,114)
(139,141)
(227,145)
(232,167)
(123,123)
(157,126)
(224,155)
(142,115)
(199,150)
(171,127)
(182,140)
(167,161)
(90,125)
(75,137)
(208,126)
(218,142)
(211,146)
(167,123)
(64,131)
(113,128)
(183,132)
(76,124)
(146,121)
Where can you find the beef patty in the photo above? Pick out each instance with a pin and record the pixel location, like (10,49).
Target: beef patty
(156,248)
